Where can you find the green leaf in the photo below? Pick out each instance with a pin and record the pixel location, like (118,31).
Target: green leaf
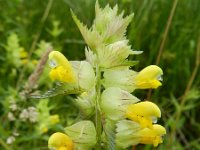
(59,89)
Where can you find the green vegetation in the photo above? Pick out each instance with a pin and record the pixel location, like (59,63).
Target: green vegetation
(30,29)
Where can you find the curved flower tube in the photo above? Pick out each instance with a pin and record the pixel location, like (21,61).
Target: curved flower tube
(144,113)
(61,68)
(60,141)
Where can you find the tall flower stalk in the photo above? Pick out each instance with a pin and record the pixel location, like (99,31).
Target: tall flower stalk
(103,84)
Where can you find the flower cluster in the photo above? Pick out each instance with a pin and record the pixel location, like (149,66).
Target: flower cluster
(104,83)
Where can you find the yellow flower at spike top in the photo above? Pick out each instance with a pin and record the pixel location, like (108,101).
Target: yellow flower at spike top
(149,77)
(60,141)
(144,113)
(61,68)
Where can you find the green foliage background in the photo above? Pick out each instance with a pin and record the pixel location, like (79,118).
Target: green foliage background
(178,98)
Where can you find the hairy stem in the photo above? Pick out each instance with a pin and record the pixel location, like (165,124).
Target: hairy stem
(97,108)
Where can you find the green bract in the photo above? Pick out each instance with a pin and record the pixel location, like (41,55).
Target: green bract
(84,73)
(110,49)
(83,134)
(114,102)
(86,102)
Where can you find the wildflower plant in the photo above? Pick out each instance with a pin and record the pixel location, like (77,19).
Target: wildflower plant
(112,118)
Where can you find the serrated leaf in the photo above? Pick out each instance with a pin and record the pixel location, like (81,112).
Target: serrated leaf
(90,36)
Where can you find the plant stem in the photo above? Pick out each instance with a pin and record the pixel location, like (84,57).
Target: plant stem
(188,87)
(97,108)
(4,145)
(162,44)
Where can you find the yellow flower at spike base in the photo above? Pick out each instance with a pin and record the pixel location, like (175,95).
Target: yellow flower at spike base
(60,141)
(61,68)
(149,77)
(152,136)
(145,113)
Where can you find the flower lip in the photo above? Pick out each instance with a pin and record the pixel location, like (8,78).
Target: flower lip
(153,135)
(160,130)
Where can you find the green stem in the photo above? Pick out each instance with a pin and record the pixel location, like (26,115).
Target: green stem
(4,145)
(98,109)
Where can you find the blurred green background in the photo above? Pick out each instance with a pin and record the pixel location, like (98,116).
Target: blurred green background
(28,28)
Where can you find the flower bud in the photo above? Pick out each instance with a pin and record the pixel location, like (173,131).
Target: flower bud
(86,102)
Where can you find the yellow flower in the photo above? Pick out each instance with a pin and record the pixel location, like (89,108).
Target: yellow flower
(61,68)
(149,77)
(54,119)
(152,136)
(60,141)
(144,113)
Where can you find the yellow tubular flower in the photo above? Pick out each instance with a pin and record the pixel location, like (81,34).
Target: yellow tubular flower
(149,77)
(60,141)
(152,136)
(61,68)
(144,113)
